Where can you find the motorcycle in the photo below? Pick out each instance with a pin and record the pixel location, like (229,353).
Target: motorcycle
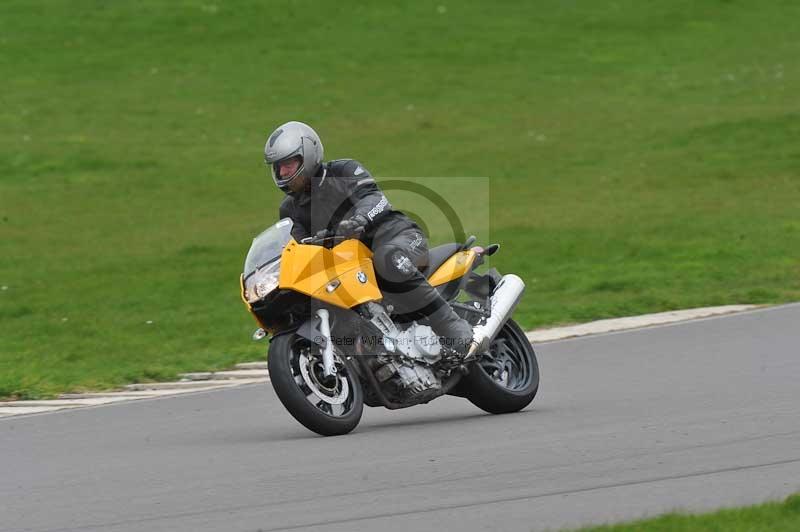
(336,343)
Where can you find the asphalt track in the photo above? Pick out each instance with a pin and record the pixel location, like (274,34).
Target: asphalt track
(693,416)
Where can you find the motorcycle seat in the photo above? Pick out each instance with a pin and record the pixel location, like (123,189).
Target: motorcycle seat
(437,256)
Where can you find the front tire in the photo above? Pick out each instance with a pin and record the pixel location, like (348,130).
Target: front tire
(329,406)
(506,378)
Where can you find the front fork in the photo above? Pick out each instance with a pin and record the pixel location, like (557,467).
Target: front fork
(328,368)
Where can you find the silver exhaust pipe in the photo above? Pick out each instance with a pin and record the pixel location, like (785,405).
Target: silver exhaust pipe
(503,301)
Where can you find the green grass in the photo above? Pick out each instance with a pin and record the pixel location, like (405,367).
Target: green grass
(769,517)
(642,157)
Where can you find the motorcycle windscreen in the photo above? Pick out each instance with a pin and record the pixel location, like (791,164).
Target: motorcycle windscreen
(268,246)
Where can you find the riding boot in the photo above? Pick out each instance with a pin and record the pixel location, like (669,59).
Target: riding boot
(455,332)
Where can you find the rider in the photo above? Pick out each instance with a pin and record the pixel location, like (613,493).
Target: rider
(341,196)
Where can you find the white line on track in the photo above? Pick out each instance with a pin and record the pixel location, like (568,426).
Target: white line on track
(255,372)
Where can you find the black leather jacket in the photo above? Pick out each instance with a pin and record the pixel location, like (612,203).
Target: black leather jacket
(340,190)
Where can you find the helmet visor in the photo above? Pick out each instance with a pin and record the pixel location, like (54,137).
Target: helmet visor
(285,170)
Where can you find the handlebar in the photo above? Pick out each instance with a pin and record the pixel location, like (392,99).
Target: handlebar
(326,237)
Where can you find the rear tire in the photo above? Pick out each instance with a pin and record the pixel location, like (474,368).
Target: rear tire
(506,378)
(329,406)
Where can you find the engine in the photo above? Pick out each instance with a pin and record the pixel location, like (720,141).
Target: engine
(409,377)
(418,342)
(409,354)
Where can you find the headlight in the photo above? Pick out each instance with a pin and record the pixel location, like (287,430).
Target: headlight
(267,285)
(262,282)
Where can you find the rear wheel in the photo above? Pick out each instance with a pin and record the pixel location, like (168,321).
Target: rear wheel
(506,377)
(329,406)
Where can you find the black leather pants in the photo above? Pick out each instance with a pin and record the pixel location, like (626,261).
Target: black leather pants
(398,257)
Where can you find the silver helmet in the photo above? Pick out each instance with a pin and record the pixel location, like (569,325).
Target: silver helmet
(293,139)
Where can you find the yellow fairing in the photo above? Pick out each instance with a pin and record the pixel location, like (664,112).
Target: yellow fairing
(456,266)
(310,270)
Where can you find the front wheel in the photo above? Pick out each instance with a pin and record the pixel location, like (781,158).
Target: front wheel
(329,406)
(506,377)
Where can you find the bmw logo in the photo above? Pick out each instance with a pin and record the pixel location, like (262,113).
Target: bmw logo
(362,277)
